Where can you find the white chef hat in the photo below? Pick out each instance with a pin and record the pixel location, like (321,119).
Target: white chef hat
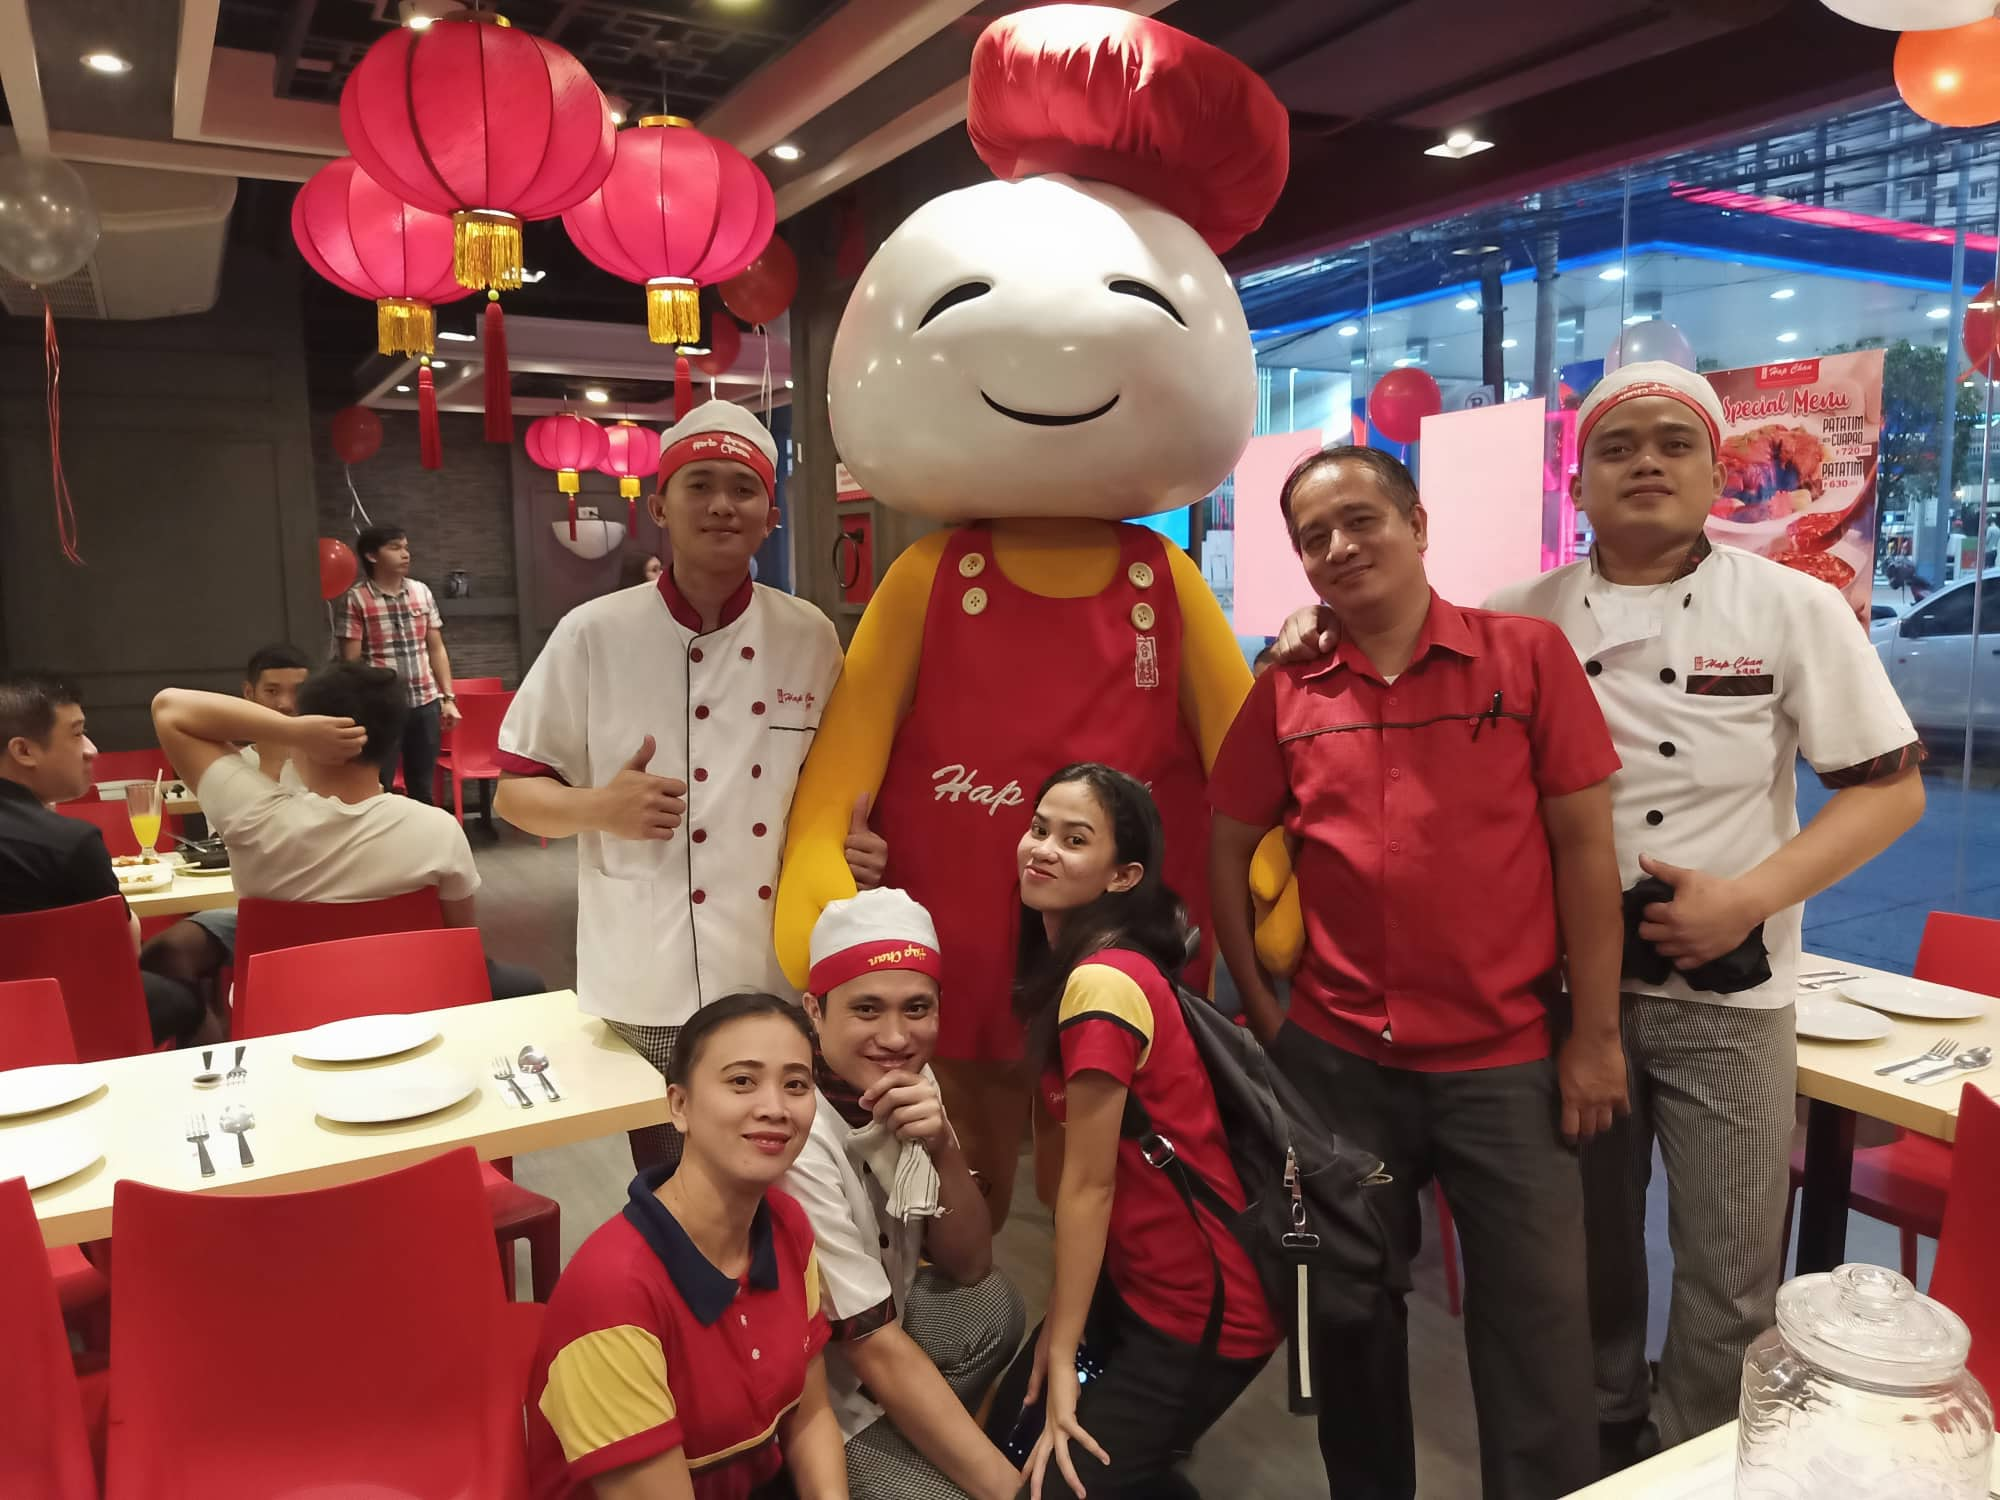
(876,930)
(1652,377)
(719,429)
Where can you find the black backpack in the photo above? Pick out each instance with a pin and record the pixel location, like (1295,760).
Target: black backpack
(1309,1226)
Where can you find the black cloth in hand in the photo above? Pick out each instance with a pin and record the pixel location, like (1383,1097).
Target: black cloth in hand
(1743,967)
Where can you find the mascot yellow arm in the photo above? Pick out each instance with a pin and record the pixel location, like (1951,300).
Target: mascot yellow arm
(1214,683)
(851,751)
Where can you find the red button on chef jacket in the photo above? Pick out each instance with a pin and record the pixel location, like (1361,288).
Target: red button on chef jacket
(1424,873)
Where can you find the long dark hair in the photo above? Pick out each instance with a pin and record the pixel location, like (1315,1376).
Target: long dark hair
(1148,919)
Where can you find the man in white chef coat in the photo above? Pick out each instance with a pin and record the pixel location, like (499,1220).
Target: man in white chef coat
(664,726)
(1716,669)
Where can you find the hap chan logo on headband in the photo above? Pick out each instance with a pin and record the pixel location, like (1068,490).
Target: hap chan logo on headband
(907,953)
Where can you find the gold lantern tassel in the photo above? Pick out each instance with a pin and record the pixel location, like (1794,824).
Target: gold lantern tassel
(404,325)
(628,486)
(673,310)
(486,249)
(566,481)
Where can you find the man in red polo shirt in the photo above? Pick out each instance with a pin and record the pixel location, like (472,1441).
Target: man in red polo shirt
(1444,775)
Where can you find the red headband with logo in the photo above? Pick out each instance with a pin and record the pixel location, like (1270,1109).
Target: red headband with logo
(699,446)
(1650,388)
(870,958)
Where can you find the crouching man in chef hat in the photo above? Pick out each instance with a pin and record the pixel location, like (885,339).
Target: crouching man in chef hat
(664,726)
(886,1186)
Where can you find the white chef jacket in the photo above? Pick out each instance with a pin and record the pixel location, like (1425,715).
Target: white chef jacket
(666,926)
(1712,686)
(868,1260)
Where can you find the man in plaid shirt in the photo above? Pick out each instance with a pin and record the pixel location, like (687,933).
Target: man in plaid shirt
(389,619)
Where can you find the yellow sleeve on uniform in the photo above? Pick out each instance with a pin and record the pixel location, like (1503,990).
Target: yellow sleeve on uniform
(607,1386)
(1101,1008)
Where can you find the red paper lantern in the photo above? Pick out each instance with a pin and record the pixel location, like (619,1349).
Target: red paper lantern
(568,444)
(631,454)
(1951,77)
(762,290)
(472,118)
(1401,400)
(725,343)
(678,211)
(336,568)
(357,434)
(369,243)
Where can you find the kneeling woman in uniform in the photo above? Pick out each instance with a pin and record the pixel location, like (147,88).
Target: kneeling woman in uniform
(680,1356)
(1134,1280)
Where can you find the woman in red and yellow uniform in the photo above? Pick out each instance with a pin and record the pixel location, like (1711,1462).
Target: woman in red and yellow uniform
(680,1357)
(1133,1278)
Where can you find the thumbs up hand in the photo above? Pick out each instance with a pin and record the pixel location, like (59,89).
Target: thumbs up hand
(635,804)
(867,851)
(1706,919)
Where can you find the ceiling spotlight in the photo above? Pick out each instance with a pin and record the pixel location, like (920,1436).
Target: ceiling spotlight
(1459,145)
(1477,250)
(788,385)
(529,278)
(1348,330)
(1611,273)
(438,364)
(1783,294)
(1938,312)
(458,338)
(619,107)
(1467,304)
(597,395)
(419,14)
(1788,337)
(786,151)
(402,390)
(106,62)
(1510,343)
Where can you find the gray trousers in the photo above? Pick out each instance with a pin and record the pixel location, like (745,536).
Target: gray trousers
(970,1333)
(1714,1084)
(1492,1137)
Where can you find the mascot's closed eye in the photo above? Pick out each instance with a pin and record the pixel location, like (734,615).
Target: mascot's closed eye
(1146,293)
(963,292)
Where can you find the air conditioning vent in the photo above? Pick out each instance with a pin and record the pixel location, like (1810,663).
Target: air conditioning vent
(72,297)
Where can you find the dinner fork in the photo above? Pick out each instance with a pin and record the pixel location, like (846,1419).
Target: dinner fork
(198,1133)
(504,1071)
(237,1073)
(1938,1053)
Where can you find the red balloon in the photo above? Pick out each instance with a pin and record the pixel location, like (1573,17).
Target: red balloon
(766,286)
(1981,331)
(336,568)
(725,342)
(357,433)
(1951,77)
(1401,400)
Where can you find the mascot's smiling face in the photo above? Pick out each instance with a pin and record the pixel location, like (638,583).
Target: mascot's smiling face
(1048,347)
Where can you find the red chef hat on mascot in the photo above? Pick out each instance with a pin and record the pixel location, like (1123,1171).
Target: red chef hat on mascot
(1098,93)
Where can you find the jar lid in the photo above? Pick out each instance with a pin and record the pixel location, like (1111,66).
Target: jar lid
(1866,1323)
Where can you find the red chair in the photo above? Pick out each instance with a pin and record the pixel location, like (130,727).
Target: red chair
(88,950)
(476,685)
(111,821)
(1963,1277)
(1904,1181)
(264,925)
(373,1356)
(474,753)
(299,988)
(44,1445)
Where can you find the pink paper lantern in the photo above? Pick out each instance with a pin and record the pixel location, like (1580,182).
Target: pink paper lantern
(369,243)
(631,454)
(567,444)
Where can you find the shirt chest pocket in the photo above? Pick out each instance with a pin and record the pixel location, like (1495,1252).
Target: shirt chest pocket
(1722,729)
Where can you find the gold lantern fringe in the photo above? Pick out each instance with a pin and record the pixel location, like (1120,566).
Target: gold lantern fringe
(673,310)
(486,249)
(404,325)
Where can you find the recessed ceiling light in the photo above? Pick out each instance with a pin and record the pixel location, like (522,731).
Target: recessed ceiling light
(458,338)
(421,23)
(617,117)
(692,351)
(531,277)
(1467,304)
(402,390)
(788,385)
(1638,318)
(106,62)
(1459,145)
(1348,330)
(1788,337)
(1409,359)
(1510,343)
(1938,312)
(1611,273)
(438,364)
(786,151)
(597,394)
(1783,294)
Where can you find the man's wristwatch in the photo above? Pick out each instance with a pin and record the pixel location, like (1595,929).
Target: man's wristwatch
(449,697)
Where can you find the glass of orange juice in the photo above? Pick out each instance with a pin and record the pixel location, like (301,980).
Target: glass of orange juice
(142,806)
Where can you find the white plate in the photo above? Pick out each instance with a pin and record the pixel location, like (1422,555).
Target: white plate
(399,1093)
(140,880)
(1830,1021)
(23,1091)
(1913,997)
(46,1153)
(359,1038)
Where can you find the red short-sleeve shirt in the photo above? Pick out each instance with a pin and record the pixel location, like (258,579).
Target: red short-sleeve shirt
(1120,1016)
(647,1347)
(1424,873)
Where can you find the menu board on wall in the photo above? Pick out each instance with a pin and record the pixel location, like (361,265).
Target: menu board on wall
(1800,444)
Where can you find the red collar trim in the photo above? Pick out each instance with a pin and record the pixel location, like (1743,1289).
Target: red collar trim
(1444,629)
(688,615)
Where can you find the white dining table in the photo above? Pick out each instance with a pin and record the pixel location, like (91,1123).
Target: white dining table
(188,893)
(138,1116)
(1702,1468)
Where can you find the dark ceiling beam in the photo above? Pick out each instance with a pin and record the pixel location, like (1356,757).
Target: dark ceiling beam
(563,17)
(291,42)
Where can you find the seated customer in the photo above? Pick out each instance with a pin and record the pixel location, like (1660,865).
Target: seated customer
(273,678)
(680,1357)
(48,860)
(887,1188)
(342,839)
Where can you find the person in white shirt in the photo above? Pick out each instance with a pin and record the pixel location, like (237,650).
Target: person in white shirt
(888,1191)
(664,726)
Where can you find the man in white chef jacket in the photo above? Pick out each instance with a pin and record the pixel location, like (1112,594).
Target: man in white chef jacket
(1716,669)
(664,726)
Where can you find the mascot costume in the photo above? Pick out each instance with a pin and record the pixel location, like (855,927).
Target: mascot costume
(1037,360)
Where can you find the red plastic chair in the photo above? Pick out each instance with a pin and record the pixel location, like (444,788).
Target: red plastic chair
(44,1446)
(1904,1182)
(88,950)
(476,685)
(1963,1277)
(474,753)
(299,988)
(262,926)
(372,1355)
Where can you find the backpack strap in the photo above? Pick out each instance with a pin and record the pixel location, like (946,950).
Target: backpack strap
(1158,1152)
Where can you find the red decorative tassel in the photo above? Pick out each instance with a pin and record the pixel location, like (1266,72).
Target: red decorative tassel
(429,442)
(683,387)
(499,392)
(632,518)
(572,517)
(52,367)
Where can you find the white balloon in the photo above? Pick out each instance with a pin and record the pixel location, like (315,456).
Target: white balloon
(1912,15)
(48,225)
(1057,383)
(1655,338)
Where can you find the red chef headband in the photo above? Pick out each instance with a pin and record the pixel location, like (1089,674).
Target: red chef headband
(719,430)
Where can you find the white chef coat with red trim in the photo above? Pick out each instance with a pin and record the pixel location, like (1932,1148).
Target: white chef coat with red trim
(666,926)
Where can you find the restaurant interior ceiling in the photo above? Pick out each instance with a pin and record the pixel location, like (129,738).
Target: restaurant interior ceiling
(246,91)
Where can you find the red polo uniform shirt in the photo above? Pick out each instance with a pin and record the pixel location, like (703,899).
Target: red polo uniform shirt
(1415,805)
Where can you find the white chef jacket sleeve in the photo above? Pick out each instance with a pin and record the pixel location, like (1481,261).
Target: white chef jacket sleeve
(1852,726)
(544,731)
(854,1285)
